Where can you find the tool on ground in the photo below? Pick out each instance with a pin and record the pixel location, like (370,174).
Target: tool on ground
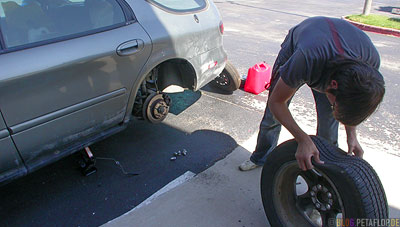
(88,162)
(178,153)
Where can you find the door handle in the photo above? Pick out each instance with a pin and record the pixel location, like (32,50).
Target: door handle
(130,47)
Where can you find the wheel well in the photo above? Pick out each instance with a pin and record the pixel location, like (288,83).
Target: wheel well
(177,72)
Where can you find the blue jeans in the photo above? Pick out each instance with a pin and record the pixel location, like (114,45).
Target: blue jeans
(270,128)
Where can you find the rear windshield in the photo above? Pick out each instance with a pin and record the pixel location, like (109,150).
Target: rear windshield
(181,5)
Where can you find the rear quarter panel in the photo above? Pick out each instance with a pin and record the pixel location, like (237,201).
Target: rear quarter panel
(178,35)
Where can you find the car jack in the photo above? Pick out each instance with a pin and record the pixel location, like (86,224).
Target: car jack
(87,162)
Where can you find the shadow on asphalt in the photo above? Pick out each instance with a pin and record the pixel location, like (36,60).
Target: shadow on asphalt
(58,195)
(387,9)
(212,89)
(183,100)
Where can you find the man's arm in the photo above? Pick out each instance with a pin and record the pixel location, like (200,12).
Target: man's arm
(277,104)
(352,142)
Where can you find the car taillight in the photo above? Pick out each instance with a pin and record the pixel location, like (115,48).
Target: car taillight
(221,27)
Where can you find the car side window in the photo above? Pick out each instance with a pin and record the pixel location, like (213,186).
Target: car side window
(180,5)
(30,21)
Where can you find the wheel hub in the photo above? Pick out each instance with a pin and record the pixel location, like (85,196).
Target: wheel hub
(222,79)
(156,107)
(321,197)
(160,109)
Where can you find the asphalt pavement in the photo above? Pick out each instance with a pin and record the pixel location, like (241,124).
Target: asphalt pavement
(224,196)
(209,129)
(60,195)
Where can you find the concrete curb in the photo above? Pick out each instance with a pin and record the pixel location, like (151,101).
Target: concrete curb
(375,29)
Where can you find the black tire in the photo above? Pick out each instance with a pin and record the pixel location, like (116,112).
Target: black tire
(347,185)
(228,80)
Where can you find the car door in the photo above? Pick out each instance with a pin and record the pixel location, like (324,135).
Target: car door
(66,72)
(11,164)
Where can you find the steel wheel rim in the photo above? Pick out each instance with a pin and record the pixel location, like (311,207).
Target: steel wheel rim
(222,79)
(293,207)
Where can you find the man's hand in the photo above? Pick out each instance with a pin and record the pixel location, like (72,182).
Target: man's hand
(306,149)
(354,146)
(277,103)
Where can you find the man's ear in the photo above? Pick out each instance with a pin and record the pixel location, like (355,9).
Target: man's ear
(334,84)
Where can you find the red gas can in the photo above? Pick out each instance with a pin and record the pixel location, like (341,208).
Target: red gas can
(258,78)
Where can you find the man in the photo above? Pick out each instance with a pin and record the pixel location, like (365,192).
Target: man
(340,64)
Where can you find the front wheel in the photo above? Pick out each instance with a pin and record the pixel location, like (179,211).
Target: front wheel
(344,188)
(228,80)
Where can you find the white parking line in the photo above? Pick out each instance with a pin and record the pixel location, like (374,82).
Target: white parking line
(173,184)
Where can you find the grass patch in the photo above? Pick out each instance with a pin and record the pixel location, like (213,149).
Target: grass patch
(376,20)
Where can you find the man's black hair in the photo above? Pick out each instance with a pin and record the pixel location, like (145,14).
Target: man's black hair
(360,90)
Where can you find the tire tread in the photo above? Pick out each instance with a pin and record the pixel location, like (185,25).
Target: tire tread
(363,175)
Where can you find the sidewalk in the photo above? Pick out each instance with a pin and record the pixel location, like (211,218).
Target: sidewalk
(224,196)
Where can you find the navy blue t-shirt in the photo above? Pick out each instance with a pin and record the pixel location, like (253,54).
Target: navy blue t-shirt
(312,44)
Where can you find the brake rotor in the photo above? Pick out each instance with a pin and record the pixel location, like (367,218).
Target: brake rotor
(156,107)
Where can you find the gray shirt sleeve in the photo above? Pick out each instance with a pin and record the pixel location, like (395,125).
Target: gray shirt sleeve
(296,71)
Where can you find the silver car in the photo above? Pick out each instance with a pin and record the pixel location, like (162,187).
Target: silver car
(73,72)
